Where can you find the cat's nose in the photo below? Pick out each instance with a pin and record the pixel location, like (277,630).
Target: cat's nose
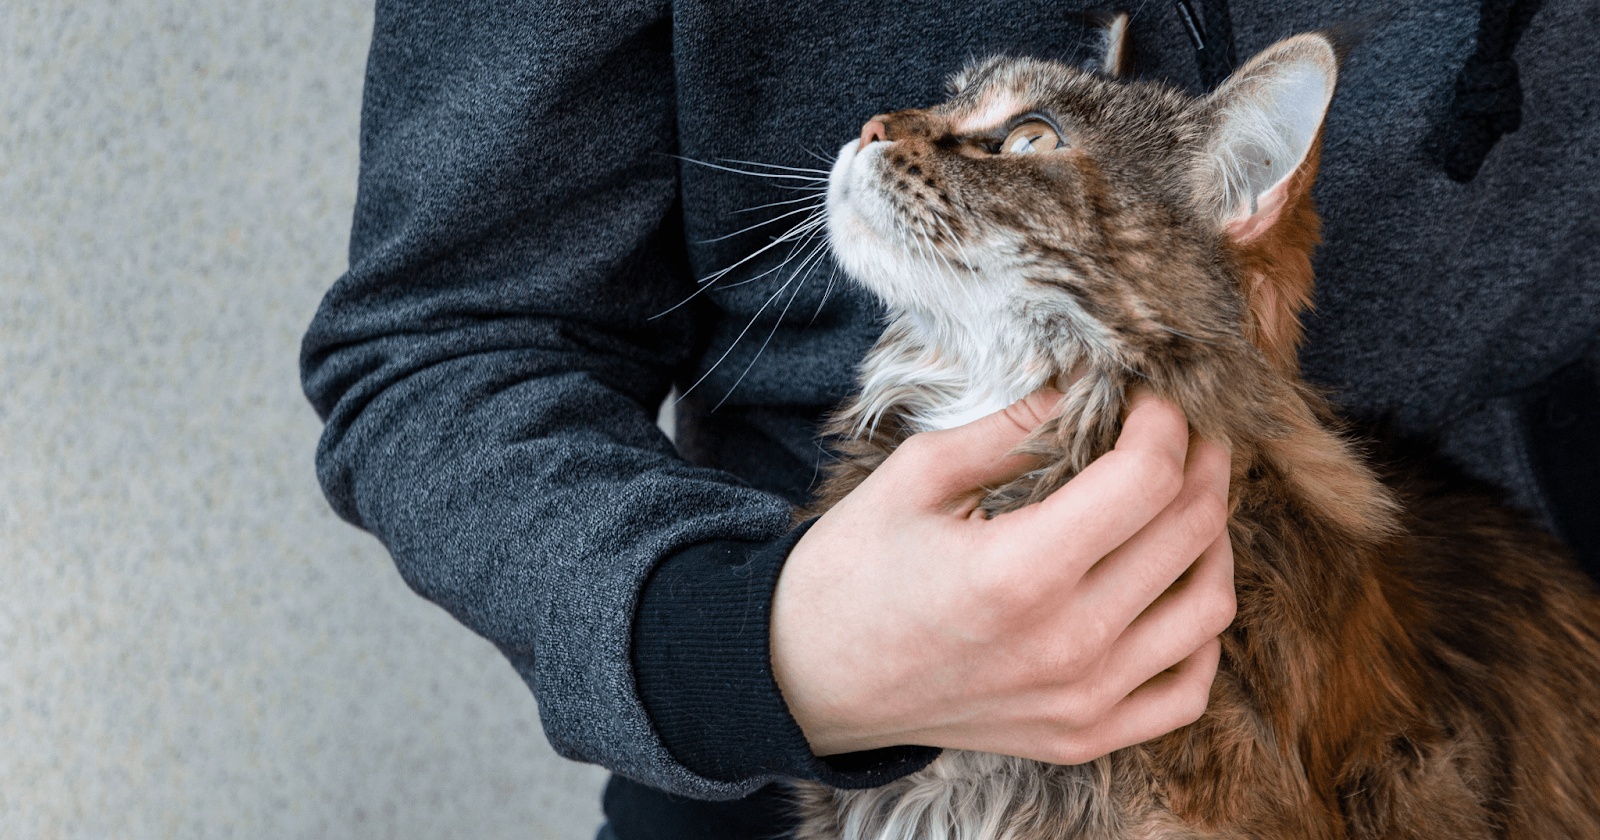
(873,130)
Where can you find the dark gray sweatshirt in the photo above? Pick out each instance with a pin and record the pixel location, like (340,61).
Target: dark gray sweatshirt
(490,366)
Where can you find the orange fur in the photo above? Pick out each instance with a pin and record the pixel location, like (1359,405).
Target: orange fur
(1278,267)
(1410,659)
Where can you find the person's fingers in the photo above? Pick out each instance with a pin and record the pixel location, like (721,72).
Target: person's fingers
(1114,497)
(1129,578)
(1153,423)
(1199,606)
(1170,700)
(955,465)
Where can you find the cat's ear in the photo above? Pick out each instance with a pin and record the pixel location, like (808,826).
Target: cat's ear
(1113,54)
(1268,117)
(1255,173)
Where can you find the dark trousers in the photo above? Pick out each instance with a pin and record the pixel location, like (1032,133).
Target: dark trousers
(636,812)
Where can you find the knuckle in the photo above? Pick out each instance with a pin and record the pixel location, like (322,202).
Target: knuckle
(1214,461)
(1068,720)
(1205,518)
(1218,610)
(1082,711)
(919,447)
(1094,641)
(1161,474)
(1076,650)
(1036,672)
(1066,663)
(1070,750)
(1191,705)
(1025,414)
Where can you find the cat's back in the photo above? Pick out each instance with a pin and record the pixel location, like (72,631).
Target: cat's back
(1507,627)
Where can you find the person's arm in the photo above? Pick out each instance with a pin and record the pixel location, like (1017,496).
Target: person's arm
(488,370)
(1060,632)
(489,367)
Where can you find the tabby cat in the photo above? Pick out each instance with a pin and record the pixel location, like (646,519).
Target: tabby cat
(1410,659)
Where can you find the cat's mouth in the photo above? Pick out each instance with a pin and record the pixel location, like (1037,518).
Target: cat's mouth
(861,227)
(874,242)
(855,206)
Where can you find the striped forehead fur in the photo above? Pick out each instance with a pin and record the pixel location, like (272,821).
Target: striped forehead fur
(993,293)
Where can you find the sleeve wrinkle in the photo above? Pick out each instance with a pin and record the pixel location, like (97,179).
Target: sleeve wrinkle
(487,368)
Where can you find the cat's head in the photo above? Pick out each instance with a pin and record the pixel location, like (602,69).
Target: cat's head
(1111,225)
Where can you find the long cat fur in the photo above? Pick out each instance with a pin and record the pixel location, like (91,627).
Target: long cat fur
(1410,659)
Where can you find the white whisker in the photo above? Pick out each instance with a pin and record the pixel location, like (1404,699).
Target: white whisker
(810,178)
(826,290)
(799,231)
(1181,334)
(966,258)
(799,237)
(933,246)
(822,172)
(799,244)
(709,281)
(817,199)
(799,273)
(934,250)
(735,342)
(964,288)
(793,212)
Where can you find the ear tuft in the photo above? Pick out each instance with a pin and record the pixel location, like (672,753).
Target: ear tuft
(1115,54)
(1267,118)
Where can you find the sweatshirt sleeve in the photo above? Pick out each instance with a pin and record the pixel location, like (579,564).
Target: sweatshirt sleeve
(489,366)
(704,669)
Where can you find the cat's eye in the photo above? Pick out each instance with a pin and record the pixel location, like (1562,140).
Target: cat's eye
(1031,136)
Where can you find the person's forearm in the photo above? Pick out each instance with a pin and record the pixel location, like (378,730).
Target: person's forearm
(490,365)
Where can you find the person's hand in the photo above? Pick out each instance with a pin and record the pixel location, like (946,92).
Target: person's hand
(1058,632)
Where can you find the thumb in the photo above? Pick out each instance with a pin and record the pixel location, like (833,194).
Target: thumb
(957,464)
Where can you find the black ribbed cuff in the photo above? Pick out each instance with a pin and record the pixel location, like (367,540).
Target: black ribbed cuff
(703,664)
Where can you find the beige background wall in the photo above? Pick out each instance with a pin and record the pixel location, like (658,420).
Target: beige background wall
(191,644)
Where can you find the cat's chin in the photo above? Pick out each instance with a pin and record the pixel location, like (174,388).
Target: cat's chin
(859,227)
(872,244)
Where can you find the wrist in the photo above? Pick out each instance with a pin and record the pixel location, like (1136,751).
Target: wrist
(702,662)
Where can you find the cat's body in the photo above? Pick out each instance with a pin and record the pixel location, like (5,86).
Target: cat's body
(1410,659)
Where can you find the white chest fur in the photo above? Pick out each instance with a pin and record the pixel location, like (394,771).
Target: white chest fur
(936,381)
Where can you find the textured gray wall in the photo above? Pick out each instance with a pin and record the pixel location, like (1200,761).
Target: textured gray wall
(191,644)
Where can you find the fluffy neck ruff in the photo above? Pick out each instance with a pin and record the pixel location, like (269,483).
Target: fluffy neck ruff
(934,375)
(924,375)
